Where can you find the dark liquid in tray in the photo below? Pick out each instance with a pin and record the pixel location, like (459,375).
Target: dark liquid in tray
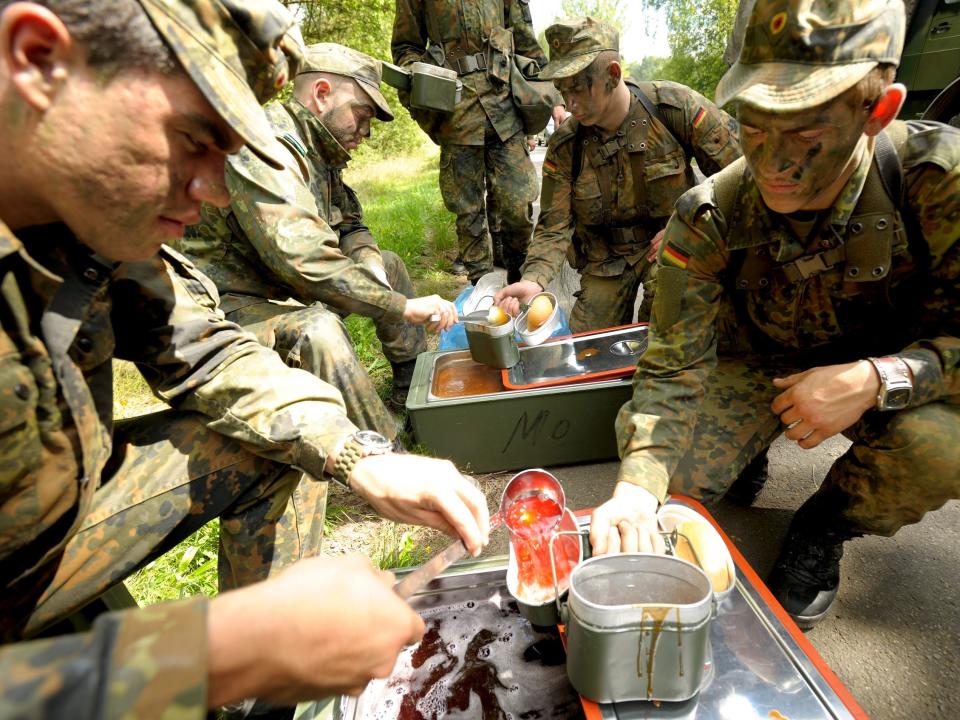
(477,660)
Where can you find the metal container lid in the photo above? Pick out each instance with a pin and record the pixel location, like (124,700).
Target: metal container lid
(422,68)
(535,337)
(621,591)
(486,328)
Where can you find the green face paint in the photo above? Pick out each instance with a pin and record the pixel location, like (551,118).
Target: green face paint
(801,160)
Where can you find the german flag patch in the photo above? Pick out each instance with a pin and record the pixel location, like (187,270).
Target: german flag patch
(549,166)
(699,117)
(675,256)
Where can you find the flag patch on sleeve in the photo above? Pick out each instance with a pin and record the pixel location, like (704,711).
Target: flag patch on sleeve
(675,256)
(699,117)
(549,166)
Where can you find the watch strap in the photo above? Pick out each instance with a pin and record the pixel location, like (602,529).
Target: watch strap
(347,460)
(894,373)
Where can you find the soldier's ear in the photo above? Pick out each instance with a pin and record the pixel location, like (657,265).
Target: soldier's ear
(886,109)
(36,50)
(322,93)
(616,71)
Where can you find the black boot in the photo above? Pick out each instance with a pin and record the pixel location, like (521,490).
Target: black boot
(402,377)
(806,576)
(457,267)
(750,482)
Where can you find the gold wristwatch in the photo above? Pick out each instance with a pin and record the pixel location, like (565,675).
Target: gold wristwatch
(359,445)
(896,382)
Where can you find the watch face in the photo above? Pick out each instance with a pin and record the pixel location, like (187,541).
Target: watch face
(372,439)
(898,398)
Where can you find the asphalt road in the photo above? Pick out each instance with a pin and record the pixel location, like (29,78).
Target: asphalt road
(893,635)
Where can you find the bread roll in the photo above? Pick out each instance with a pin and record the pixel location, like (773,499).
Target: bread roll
(496,316)
(539,311)
(710,552)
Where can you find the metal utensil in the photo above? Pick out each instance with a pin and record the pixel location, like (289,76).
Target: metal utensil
(475,316)
(418,579)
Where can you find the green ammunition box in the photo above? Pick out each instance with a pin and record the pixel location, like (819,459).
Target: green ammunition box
(512,429)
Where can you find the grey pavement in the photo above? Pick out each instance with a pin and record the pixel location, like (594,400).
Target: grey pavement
(893,635)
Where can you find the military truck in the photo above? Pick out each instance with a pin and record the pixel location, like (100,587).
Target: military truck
(930,67)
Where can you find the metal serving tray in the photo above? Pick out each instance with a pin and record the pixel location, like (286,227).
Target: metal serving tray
(761,665)
(577,358)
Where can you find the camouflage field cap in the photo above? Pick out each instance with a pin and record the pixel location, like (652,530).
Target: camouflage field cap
(238,52)
(798,54)
(341,60)
(575,43)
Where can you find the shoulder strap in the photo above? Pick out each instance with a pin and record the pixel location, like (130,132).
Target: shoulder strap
(889,146)
(649,106)
(576,164)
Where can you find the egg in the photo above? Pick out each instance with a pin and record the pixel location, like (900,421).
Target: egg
(496,316)
(711,553)
(539,311)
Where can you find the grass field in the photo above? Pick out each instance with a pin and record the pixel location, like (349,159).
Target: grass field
(403,209)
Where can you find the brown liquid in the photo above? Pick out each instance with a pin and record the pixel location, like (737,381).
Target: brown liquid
(659,616)
(466,378)
(587,353)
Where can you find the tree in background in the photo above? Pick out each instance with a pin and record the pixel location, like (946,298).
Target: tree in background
(364,25)
(612,12)
(697,32)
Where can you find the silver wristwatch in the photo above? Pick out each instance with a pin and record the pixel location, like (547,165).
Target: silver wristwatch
(359,445)
(896,383)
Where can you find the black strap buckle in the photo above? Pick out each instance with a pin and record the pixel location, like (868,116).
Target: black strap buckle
(471,63)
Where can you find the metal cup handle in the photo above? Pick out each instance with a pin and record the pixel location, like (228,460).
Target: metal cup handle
(553,564)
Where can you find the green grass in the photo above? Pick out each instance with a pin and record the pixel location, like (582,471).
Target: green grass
(403,209)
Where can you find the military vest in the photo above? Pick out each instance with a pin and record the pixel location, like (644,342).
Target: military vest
(659,175)
(869,278)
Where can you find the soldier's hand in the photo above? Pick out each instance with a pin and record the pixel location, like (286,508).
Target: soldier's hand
(306,633)
(431,310)
(510,297)
(627,522)
(424,491)
(655,246)
(532,142)
(823,401)
(559,115)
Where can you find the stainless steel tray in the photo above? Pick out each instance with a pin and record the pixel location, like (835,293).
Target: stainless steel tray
(578,357)
(758,670)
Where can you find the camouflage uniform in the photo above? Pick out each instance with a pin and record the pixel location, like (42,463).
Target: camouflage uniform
(742,299)
(269,258)
(82,507)
(598,214)
(482,144)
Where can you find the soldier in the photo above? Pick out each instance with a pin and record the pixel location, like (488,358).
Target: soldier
(612,175)
(811,288)
(274,263)
(116,124)
(482,144)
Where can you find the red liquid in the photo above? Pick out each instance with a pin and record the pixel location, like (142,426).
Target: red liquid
(532,522)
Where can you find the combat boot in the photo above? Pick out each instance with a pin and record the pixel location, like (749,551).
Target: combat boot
(402,377)
(457,267)
(750,482)
(806,575)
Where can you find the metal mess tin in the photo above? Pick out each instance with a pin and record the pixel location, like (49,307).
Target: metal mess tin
(492,345)
(549,326)
(638,628)
(430,87)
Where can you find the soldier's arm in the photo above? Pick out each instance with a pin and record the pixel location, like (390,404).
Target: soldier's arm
(554,231)
(410,37)
(705,131)
(277,212)
(933,190)
(356,240)
(136,663)
(524,38)
(655,426)
(194,359)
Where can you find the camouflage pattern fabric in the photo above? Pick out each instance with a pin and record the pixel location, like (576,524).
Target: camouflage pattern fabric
(443,32)
(314,339)
(284,233)
(68,315)
(575,43)
(341,60)
(879,472)
(256,49)
(700,316)
(604,234)
(502,174)
(798,54)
